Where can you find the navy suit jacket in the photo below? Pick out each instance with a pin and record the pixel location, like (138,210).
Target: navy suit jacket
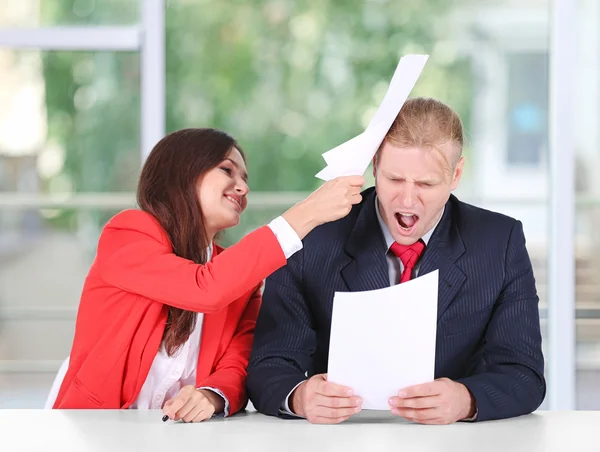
(488,331)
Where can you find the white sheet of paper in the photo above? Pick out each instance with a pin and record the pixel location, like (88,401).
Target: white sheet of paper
(384,340)
(353,156)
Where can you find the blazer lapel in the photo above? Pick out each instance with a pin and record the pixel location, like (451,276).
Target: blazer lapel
(212,329)
(442,252)
(366,267)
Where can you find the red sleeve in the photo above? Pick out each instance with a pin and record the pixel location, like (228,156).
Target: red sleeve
(231,370)
(134,254)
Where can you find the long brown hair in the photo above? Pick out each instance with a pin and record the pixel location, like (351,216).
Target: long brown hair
(167,191)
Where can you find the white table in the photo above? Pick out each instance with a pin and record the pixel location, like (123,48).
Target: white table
(133,430)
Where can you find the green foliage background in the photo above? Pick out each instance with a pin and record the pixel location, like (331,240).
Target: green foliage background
(289,79)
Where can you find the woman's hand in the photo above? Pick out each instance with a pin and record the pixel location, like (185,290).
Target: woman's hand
(193,405)
(331,201)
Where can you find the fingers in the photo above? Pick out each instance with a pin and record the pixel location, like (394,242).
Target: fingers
(204,415)
(171,407)
(436,402)
(194,412)
(337,402)
(201,411)
(336,413)
(325,402)
(418,403)
(424,390)
(421,416)
(187,409)
(335,409)
(353,181)
(190,405)
(415,402)
(330,389)
(354,189)
(354,195)
(327,420)
(355,199)
(326,415)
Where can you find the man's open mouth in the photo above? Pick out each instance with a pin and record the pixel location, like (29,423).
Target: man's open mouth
(406,221)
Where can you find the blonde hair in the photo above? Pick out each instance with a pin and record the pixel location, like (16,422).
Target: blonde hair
(427,123)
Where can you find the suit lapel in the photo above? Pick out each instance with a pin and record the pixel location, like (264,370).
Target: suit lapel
(366,267)
(212,329)
(442,252)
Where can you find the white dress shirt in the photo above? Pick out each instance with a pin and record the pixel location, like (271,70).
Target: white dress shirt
(395,268)
(168,374)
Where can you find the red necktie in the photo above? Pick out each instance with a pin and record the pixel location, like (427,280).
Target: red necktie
(409,255)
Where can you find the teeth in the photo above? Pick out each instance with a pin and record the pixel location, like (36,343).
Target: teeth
(232,199)
(406,214)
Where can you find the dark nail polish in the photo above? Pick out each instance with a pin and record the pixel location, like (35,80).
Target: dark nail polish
(165,418)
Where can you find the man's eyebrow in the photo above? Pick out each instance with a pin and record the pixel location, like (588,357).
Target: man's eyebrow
(426,180)
(423,180)
(392,175)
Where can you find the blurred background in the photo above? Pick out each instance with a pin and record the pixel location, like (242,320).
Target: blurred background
(87,87)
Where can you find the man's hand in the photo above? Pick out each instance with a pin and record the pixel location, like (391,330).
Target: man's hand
(442,401)
(323,402)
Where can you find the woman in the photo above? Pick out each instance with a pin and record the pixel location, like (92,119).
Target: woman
(166,318)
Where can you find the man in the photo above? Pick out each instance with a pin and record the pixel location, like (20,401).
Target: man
(489,363)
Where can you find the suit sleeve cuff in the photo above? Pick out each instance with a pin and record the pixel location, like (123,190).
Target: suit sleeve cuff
(285,406)
(474,388)
(471,419)
(286,236)
(216,391)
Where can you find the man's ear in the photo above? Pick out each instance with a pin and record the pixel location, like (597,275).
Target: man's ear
(375,166)
(457,173)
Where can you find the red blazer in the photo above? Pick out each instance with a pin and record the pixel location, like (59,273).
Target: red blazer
(123,310)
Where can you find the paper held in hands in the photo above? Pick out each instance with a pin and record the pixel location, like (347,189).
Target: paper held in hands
(384,340)
(353,157)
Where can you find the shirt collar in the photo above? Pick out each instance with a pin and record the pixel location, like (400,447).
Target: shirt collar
(389,240)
